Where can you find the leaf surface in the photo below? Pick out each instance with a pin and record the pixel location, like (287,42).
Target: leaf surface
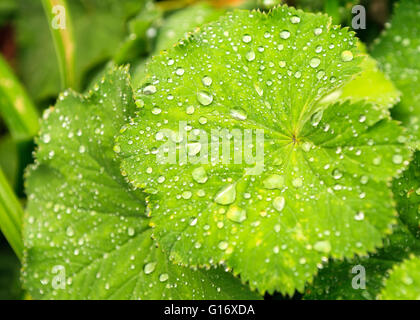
(398,52)
(335,281)
(324,168)
(86,232)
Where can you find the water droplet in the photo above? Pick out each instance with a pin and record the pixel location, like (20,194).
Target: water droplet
(199,175)
(278,203)
(207,81)
(317,31)
(250,55)
(236,214)
(285,34)
(274,181)
(223,245)
(205,98)
(364,179)
(226,195)
(347,56)
(362,118)
(246,38)
(295,19)
(193,148)
(316,118)
(190,110)
(297,182)
(149,267)
(131,231)
(156,110)
(150,89)
(179,71)
(239,114)
(163,277)
(359,216)
(397,159)
(323,246)
(337,174)
(282,64)
(46,138)
(186,195)
(315,62)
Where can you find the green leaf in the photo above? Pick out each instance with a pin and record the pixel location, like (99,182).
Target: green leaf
(63,38)
(100,27)
(371,85)
(404,281)
(324,168)
(398,52)
(89,239)
(177,25)
(335,281)
(16,108)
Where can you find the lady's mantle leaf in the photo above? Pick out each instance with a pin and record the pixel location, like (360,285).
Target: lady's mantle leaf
(398,51)
(324,170)
(404,281)
(86,232)
(337,280)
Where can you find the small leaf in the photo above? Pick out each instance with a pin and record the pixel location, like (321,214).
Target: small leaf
(86,233)
(324,167)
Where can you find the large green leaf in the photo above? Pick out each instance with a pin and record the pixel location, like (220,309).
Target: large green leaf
(335,281)
(86,233)
(404,281)
(324,171)
(398,51)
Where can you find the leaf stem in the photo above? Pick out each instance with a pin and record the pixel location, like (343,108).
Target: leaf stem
(61,28)
(11,214)
(17,109)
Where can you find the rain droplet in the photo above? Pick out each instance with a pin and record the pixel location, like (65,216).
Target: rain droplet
(223,245)
(337,174)
(205,98)
(150,89)
(397,159)
(199,175)
(297,182)
(246,38)
(149,267)
(316,118)
(285,34)
(295,19)
(347,56)
(163,277)
(250,55)
(239,114)
(323,246)
(236,214)
(278,203)
(359,216)
(226,195)
(315,62)
(317,31)
(207,81)
(274,181)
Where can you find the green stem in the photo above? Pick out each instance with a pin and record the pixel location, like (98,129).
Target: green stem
(17,109)
(11,214)
(61,28)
